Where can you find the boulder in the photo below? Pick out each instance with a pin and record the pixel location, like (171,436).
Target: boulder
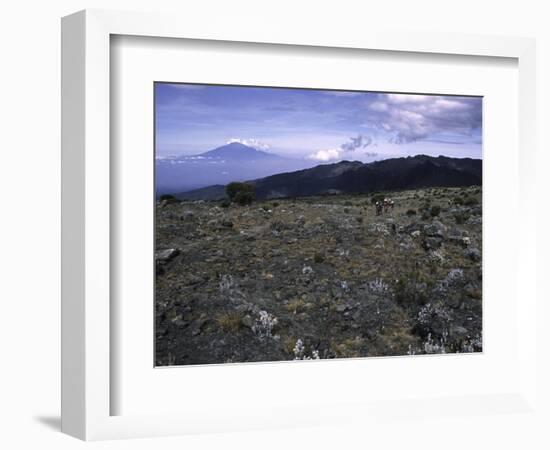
(455,233)
(458,332)
(435,229)
(474,220)
(431,243)
(278,225)
(247,321)
(166,255)
(436,257)
(476,210)
(341,308)
(213,223)
(187,215)
(439,225)
(474,254)
(411,228)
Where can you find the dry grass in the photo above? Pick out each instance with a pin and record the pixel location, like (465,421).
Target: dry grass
(474,293)
(348,348)
(289,343)
(230,321)
(296,306)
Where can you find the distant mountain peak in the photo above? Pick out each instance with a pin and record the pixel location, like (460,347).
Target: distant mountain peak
(238,145)
(237,150)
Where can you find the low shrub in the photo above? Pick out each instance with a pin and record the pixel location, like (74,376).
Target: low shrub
(471,201)
(435,210)
(461,218)
(425,207)
(296,306)
(409,290)
(411,212)
(264,325)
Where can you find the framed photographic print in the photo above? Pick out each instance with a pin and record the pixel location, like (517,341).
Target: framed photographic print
(341,224)
(265,229)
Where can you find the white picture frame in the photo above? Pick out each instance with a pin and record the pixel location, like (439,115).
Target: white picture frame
(86,220)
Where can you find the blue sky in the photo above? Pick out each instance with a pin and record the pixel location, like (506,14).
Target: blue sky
(319,125)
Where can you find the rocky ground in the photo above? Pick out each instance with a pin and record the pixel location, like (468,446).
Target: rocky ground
(319,277)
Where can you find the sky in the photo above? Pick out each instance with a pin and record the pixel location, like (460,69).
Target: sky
(318,125)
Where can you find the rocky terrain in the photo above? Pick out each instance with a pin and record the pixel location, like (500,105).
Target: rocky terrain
(319,277)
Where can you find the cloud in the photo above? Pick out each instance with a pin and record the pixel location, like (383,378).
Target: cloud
(345,150)
(332,154)
(361,141)
(410,118)
(255,143)
(379,106)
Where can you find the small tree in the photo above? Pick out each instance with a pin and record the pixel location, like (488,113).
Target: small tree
(241,193)
(168,198)
(244,198)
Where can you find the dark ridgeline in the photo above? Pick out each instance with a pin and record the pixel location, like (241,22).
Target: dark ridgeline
(355,177)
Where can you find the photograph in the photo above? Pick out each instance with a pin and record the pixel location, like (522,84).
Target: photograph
(296,224)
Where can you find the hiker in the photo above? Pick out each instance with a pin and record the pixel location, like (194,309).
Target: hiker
(388,204)
(378,208)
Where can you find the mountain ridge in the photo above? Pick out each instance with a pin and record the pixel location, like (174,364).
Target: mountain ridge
(350,177)
(236,150)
